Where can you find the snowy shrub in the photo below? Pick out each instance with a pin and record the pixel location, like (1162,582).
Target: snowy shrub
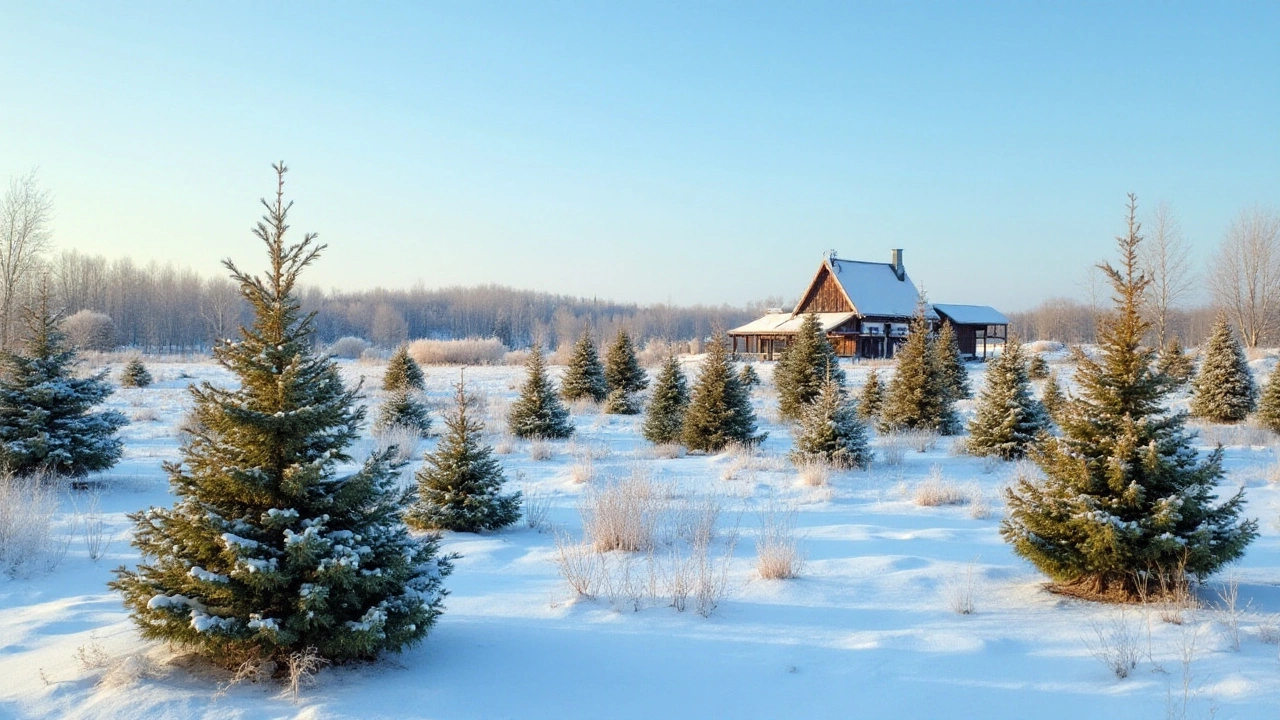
(1269,630)
(541,450)
(537,505)
(302,667)
(694,519)
(349,347)
(505,445)
(403,438)
(582,471)
(936,491)
(667,451)
(586,406)
(515,357)
(1115,644)
(471,351)
(578,564)
(27,541)
(814,473)
(142,415)
(94,528)
(624,515)
(921,440)
(960,592)
(778,554)
(893,448)
(89,330)
(655,352)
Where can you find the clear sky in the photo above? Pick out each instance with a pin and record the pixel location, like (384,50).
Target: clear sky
(685,151)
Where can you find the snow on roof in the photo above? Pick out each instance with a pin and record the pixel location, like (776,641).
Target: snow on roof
(788,323)
(972,314)
(875,289)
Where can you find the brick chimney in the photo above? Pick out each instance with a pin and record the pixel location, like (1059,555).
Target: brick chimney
(896,261)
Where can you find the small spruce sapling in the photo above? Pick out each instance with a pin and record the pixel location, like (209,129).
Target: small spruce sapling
(1224,390)
(403,373)
(403,408)
(538,412)
(831,432)
(950,363)
(135,375)
(1051,397)
(806,364)
(872,397)
(1269,405)
(749,377)
(719,411)
(621,402)
(584,377)
(665,419)
(621,367)
(1174,363)
(1038,369)
(1009,420)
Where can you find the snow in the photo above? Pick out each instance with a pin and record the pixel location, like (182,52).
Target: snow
(875,290)
(865,631)
(972,314)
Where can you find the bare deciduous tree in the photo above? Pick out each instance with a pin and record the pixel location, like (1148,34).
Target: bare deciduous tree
(1166,260)
(1246,274)
(25,214)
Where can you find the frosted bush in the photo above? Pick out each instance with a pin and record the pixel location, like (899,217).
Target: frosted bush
(624,515)
(472,351)
(893,449)
(778,554)
(27,541)
(937,490)
(349,348)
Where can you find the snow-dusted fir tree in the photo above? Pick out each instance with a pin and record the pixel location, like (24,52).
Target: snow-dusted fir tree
(665,419)
(1009,420)
(621,368)
(1038,367)
(47,423)
(831,432)
(404,408)
(719,411)
(1269,404)
(950,363)
(584,377)
(460,483)
(805,365)
(538,412)
(403,373)
(270,550)
(1174,362)
(748,376)
(1223,391)
(871,399)
(135,375)
(919,397)
(1051,396)
(1125,493)
(621,402)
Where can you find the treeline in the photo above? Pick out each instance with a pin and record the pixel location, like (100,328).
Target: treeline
(1072,321)
(163,308)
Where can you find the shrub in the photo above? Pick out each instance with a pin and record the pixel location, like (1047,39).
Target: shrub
(469,351)
(623,515)
(27,542)
(778,554)
(349,347)
(89,330)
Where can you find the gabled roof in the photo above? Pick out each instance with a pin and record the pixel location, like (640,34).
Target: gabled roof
(972,314)
(874,288)
(786,323)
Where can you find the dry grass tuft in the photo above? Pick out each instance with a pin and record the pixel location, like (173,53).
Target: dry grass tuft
(778,554)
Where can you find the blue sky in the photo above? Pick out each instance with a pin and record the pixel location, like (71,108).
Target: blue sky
(686,151)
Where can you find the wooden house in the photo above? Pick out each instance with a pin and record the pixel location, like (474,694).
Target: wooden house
(865,308)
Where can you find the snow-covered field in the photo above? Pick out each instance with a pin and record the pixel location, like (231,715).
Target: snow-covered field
(867,630)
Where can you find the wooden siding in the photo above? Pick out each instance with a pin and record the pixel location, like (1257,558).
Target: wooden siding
(825,295)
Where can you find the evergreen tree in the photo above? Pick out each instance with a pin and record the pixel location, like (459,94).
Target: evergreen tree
(584,378)
(538,413)
(1124,491)
(1224,390)
(831,432)
(269,550)
(1009,419)
(719,411)
(46,423)
(1174,363)
(872,398)
(621,368)
(665,420)
(135,375)
(1051,397)
(460,484)
(403,373)
(403,409)
(621,402)
(1039,367)
(806,364)
(748,376)
(920,397)
(1269,405)
(947,357)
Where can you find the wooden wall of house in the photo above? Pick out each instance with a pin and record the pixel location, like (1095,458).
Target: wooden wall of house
(825,295)
(967,338)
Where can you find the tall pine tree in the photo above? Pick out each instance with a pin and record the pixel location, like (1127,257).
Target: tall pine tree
(1224,390)
(1124,491)
(665,419)
(46,420)
(538,413)
(1009,419)
(460,483)
(920,395)
(720,410)
(269,550)
(622,370)
(1269,405)
(808,362)
(871,400)
(403,373)
(830,431)
(950,363)
(584,377)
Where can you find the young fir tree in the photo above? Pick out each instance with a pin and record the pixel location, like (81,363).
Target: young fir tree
(1269,405)
(920,396)
(1224,390)
(1124,492)
(584,378)
(621,368)
(1038,368)
(804,367)
(269,550)
(719,411)
(1174,363)
(621,402)
(947,357)
(135,375)
(403,373)
(538,413)
(872,398)
(748,376)
(46,419)
(403,409)
(665,419)
(1051,397)
(831,432)
(1009,419)
(460,484)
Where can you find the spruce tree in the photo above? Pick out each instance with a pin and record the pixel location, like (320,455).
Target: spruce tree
(831,432)
(665,419)
(584,377)
(538,413)
(621,368)
(804,367)
(719,410)
(748,376)
(1224,390)
(403,373)
(46,419)
(1051,397)
(1174,363)
(269,550)
(1269,405)
(1038,369)
(871,400)
(920,396)
(403,408)
(621,402)
(460,483)
(135,375)
(947,357)
(1124,491)
(1009,420)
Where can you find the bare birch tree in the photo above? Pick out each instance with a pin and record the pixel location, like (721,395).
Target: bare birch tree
(1165,259)
(1246,274)
(25,213)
